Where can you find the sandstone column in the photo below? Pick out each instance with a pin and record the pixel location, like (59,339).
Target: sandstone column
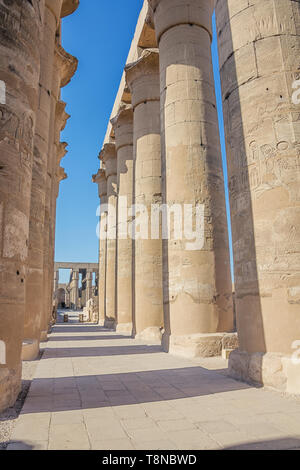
(109,157)
(56,280)
(89,285)
(123,130)
(20,31)
(55,9)
(74,289)
(259,44)
(143,80)
(34,284)
(65,66)
(197,282)
(100,179)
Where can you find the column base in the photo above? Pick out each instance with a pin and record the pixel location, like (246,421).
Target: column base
(200,345)
(44,336)
(153,334)
(10,386)
(124,328)
(30,349)
(271,370)
(110,324)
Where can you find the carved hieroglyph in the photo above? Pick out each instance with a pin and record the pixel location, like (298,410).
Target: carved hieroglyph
(197,285)
(259,47)
(20,31)
(143,80)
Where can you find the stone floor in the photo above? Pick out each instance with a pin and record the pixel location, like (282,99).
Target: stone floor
(95,389)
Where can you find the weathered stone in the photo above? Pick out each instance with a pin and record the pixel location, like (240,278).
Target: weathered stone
(20,31)
(35,271)
(123,130)
(197,345)
(197,285)
(109,158)
(230,341)
(259,46)
(101,180)
(142,78)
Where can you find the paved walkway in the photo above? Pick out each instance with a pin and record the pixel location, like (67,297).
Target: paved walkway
(95,389)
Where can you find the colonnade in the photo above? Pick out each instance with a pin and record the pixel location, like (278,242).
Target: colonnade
(162,151)
(33,68)
(80,288)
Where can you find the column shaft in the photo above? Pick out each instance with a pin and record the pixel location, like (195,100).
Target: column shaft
(34,285)
(197,281)
(74,289)
(123,129)
(143,80)
(259,47)
(20,31)
(100,179)
(89,285)
(108,156)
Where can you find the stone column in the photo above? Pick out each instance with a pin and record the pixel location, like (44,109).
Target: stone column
(100,179)
(74,289)
(20,31)
(197,281)
(109,157)
(68,299)
(89,285)
(123,130)
(259,48)
(56,280)
(65,67)
(143,80)
(34,284)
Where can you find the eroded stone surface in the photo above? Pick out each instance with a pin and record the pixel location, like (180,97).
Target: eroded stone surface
(259,46)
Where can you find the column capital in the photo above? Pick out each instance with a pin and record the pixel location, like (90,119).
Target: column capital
(62,8)
(124,116)
(61,116)
(66,63)
(68,7)
(54,6)
(75,274)
(171,13)
(101,180)
(108,156)
(61,174)
(141,77)
(61,151)
(122,125)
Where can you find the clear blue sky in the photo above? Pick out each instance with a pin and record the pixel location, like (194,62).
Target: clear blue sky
(99,34)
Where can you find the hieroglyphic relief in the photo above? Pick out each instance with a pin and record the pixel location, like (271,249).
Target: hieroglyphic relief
(268,166)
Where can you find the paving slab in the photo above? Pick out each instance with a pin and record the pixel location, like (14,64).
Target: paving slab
(96,389)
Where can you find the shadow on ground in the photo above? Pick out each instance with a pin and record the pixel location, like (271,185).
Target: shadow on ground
(288,443)
(109,390)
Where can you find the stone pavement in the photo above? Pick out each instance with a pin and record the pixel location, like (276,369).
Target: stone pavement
(95,389)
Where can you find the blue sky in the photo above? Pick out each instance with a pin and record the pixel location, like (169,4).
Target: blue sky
(99,34)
